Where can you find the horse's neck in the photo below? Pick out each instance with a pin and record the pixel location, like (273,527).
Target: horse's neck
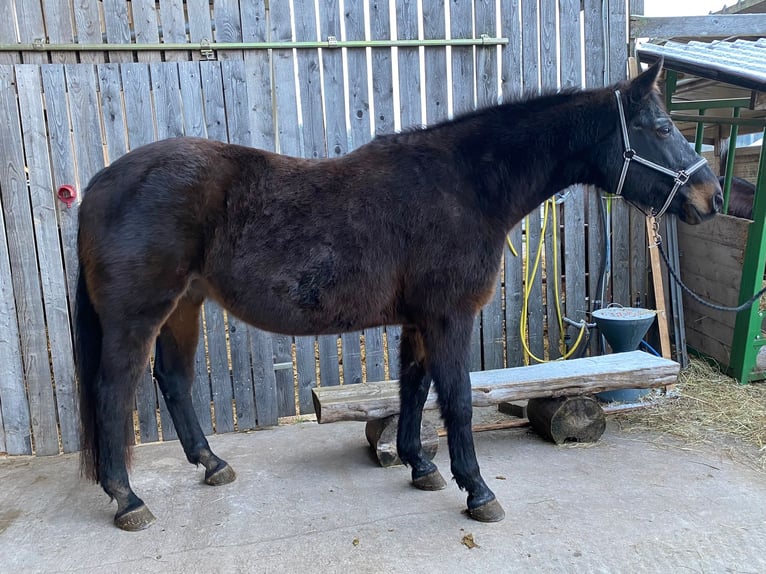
(549,150)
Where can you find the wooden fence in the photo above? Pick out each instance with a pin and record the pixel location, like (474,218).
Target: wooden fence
(278,76)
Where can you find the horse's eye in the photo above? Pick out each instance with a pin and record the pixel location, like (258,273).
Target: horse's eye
(664,131)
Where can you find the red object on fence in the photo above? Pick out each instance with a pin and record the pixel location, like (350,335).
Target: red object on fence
(67,194)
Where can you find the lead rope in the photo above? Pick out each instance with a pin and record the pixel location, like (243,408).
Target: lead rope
(658,243)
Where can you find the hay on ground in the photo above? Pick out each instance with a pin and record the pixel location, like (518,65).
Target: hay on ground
(709,408)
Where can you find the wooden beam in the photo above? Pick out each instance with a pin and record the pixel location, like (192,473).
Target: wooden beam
(714,25)
(633,370)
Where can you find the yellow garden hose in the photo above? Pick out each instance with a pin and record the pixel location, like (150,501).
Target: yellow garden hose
(549,205)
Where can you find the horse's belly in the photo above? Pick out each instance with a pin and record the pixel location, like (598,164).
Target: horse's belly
(307,309)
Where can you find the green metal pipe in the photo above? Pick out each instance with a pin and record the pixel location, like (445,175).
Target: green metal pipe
(757,122)
(711,104)
(730,162)
(699,135)
(215,46)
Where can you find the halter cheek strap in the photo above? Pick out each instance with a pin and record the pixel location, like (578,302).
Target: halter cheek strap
(680,177)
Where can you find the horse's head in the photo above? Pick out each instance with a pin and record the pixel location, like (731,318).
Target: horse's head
(658,168)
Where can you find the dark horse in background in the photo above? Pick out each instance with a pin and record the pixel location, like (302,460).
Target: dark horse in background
(408,229)
(741,197)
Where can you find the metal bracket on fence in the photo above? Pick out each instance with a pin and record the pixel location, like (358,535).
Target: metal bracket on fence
(332,42)
(38,44)
(206,50)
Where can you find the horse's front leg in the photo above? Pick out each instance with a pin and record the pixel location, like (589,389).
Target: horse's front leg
(414,383)
(447,342)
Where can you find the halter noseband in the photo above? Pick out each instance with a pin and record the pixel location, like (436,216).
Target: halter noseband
(681,176)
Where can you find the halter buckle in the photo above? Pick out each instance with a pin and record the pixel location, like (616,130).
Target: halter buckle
(628,154)
(682,177)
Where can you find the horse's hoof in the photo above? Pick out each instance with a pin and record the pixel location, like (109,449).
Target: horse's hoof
(488,512)
(135,520)
(431,481)
(222,475)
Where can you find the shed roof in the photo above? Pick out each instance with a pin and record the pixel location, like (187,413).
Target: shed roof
(741,63)
(719,69)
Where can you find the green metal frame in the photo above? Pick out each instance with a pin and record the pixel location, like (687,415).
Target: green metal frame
(748,338)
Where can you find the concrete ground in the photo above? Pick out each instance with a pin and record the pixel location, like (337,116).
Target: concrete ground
(308,498)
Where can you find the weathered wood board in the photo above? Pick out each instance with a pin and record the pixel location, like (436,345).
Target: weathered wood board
(633,370)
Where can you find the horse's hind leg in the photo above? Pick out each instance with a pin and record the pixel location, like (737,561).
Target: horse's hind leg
(447,341)
(125,355)
(174,371)
(414,383)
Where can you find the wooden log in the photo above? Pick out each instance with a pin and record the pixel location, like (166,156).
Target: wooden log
(633,370)
(381,434)
(567,419)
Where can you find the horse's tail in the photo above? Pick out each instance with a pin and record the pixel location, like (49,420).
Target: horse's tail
(87,329)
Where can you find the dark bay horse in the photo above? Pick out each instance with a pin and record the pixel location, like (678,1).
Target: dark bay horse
(741,197)
(408,229)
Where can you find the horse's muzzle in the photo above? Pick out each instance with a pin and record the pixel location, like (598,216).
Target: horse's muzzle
(703,201)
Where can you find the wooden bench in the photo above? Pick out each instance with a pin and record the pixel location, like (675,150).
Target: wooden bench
(378,402)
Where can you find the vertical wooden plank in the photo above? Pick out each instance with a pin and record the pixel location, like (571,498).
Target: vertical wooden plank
(112,113)
(639,264)
(409,65)
(487,89)
(337,144)
(166,92)
(314,146)
(530,45)
(359,120)
(549,78)
(63,164)
(228,27)
(262,135)
(358,74)
(384,122)
(58,27)
(435,69)
(338,140)
(434,28)
(169,123)
(140,131)
(258,77)
(194,125)
(88,28)
(463,81)
(574,206)
(8,36)
(409,83)
(266,407)
(26,283)
(288,142)
(595,75)
(246,389)
(51,266)
(14,407)
(200,25)
(173,28)
(117,25)
(220,376)
(618,58)
(29,16)
(145,25)
(462,60)
(209,121)
(511,86)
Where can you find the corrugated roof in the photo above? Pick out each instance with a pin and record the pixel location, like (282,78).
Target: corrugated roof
(740,62)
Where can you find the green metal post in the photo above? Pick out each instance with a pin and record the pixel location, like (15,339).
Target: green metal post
(728,174)
(699,134)
(748,339)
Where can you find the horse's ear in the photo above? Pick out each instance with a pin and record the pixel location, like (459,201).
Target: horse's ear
(646,82)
